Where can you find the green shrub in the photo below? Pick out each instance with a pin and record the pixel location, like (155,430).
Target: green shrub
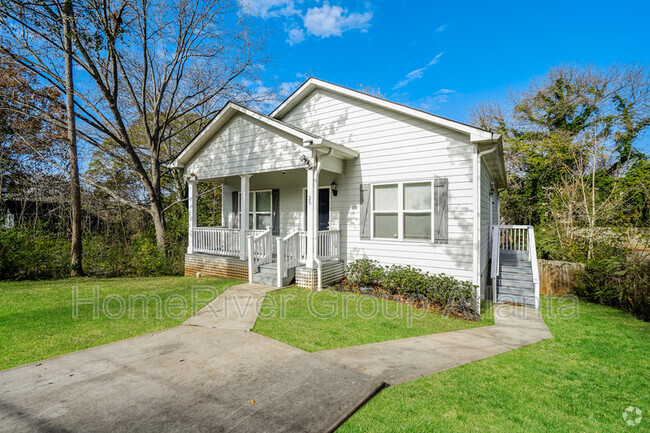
(441,290)
(365,272)
(617,282)
(33,254)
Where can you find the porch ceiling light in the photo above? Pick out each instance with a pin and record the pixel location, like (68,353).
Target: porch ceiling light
(333,187)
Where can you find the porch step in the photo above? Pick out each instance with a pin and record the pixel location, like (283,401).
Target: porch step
(528,300)
(516,272)
(514,255)
(515,280)
(514,290)
(515,284)
(267,274)
(510,263)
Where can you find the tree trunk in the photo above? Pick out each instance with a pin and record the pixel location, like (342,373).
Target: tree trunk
(76,268)
(156,201)
(159,224)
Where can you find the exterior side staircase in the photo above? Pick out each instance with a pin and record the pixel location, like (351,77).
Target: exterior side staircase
(515,276)
(515,281)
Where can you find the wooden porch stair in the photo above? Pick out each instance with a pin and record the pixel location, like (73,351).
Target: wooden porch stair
(515,281)
(514,271)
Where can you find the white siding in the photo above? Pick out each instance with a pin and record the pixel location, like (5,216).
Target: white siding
(394,147)
(485,225)
(245,145)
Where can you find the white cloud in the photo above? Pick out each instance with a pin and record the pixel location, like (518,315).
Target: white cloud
(321,21)
(286,88)
(329,20)
(418,73)
(268,8)
(436,59)
(436,100)
(295,35)
(442,28)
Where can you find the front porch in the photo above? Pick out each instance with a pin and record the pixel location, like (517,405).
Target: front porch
(216,251)
(276,197)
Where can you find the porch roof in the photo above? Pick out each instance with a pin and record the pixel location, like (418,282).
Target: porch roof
(308,139)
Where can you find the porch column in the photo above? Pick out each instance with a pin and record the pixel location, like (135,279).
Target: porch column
(312,214)
(191,212)
(243,212)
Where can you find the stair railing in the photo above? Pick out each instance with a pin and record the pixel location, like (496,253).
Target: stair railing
(533,259)
(288,251)
(514,239)
(260,251)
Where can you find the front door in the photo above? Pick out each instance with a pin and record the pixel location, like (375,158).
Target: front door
(323,209)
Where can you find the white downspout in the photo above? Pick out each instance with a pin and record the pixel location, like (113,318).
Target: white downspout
(477,221)
(319,264)
(191,212)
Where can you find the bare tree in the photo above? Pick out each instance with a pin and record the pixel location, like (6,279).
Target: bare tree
(76,266)
(143,66)
(579,209)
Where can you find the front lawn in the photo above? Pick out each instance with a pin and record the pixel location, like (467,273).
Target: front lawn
(315,321)
(597,365)
(37,318)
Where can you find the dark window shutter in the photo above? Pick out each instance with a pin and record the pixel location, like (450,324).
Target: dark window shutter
(275,212)
(364,230)
(440,219)
(235,208)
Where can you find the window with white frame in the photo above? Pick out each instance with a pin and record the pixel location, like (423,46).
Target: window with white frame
(402,211)
(259,210)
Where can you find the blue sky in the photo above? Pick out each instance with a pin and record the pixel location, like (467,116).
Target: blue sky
(444,57)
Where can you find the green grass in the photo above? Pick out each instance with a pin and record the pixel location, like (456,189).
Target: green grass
(315,321)
(597,365)
(36,317)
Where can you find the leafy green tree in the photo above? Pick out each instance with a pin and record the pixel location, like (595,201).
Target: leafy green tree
(550,132)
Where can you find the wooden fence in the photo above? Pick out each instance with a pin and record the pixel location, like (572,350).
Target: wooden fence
(557,278)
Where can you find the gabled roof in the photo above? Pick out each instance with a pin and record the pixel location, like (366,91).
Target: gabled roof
(231,109)
(476,134)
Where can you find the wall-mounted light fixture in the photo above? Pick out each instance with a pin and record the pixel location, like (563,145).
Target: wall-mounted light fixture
(333,188)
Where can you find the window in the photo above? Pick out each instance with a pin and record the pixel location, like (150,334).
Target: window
(385,211)
(402,211)
(259,210)
(417,210)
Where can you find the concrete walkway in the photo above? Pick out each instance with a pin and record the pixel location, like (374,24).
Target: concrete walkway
(208,375)
(399,361)
(236,308)
(213,374)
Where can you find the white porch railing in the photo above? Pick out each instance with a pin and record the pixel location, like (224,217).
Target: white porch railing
(260,251)
(292,250)
(219,240)
(329,244)
(514,239)
(216,240)
(533,258)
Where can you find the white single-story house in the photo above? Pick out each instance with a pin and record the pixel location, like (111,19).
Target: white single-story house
(333,175)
